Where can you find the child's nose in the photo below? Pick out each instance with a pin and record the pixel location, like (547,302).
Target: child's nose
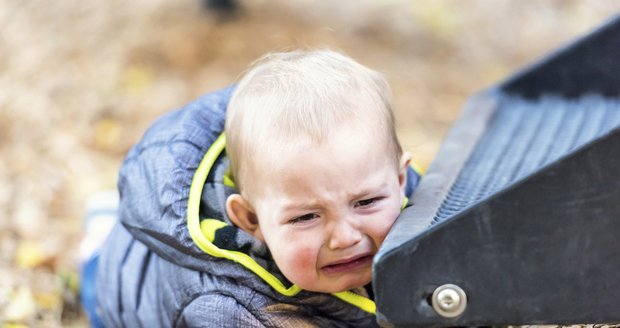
(344,234)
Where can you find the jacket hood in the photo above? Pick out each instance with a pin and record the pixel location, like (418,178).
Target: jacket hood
(156,177)
(173,187)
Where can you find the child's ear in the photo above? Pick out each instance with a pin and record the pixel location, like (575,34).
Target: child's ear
(241,213)
(405,160)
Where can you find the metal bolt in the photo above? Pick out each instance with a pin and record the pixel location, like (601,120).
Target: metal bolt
(449,301)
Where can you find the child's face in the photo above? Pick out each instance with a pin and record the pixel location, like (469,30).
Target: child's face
(324,210)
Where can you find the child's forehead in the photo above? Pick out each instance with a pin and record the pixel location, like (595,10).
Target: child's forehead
(273,139)
(348,145)
(359,134)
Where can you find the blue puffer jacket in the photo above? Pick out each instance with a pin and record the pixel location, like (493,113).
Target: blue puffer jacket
(175,260)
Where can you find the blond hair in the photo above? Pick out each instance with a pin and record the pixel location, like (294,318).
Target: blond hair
(286,95)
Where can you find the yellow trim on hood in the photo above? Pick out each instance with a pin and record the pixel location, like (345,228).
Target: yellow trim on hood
(360,301)
(203,239)
(193,224)
(417,168)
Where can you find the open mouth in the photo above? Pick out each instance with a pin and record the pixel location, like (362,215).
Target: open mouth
(348,264)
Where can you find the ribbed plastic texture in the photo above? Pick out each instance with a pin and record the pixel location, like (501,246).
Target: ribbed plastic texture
(522,137)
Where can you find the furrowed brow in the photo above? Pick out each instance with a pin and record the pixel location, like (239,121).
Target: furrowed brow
(368,191)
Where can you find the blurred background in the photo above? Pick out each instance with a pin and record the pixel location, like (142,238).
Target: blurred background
(80,81)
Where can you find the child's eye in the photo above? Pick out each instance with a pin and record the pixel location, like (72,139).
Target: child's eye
(303,218)
(366,202)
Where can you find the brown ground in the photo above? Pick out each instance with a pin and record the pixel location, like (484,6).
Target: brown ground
(81,80)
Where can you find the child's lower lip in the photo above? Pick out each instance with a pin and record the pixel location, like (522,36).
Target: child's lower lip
(346,266)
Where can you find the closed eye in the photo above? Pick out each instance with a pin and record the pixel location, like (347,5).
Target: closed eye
(367,202)
(304,218)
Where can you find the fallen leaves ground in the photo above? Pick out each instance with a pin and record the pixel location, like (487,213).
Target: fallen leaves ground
(82,80)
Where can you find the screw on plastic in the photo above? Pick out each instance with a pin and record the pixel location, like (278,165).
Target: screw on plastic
(449,301)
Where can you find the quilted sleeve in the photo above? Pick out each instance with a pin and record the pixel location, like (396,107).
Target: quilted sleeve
(216,310)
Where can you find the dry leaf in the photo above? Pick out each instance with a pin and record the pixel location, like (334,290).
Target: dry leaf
(48,300)
(107,133)
(137,79)
(29,254)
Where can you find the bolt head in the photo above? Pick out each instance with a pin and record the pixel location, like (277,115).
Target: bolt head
(449,300)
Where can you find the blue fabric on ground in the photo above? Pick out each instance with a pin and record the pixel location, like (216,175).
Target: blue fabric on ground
(88,290)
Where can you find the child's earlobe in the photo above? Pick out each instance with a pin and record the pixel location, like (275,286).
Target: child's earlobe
(241,213)
(405,161)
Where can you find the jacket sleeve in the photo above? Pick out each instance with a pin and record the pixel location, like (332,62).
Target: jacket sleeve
(216,310)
